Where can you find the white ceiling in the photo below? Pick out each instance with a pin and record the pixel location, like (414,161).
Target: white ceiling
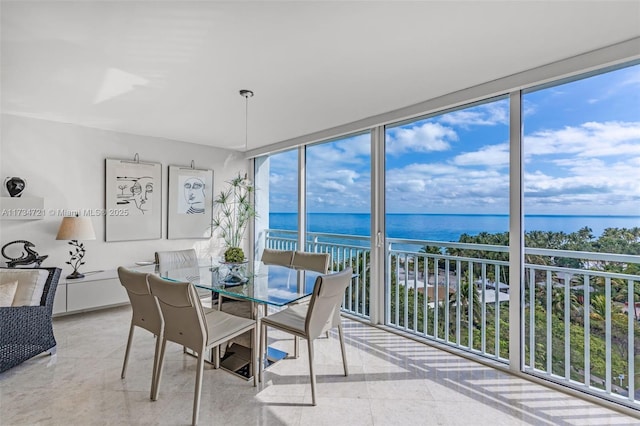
(173,69)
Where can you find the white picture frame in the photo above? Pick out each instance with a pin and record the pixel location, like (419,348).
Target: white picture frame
(133,200)
(190,204)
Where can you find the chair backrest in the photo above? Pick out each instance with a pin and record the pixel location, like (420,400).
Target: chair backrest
(277,257)
(173,259)
(326,299)
(184,321)
(146,312)
(318,262)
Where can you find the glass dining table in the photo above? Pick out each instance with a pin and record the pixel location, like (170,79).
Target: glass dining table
(263,285)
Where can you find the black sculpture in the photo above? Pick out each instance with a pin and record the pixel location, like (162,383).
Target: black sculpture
(15,186)
(29,258)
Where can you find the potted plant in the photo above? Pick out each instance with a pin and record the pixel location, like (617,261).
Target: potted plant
(233,211)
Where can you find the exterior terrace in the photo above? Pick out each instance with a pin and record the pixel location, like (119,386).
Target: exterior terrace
(576,340)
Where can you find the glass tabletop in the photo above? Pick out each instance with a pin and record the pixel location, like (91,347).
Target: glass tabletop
(269,284)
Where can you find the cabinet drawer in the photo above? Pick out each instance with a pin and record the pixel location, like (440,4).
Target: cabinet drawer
(95,294)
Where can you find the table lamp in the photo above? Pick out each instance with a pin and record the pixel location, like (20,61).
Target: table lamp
(76,228)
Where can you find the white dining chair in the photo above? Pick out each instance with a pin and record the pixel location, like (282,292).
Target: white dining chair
(318,262)
(309,321)
(146,315)
(173,259)
(277,257)
(186,324)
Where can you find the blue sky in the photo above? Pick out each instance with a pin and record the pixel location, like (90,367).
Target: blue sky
(581,147)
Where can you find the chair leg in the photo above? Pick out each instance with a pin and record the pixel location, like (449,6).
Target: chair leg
(342,348)
(163,345)
(216,357)
(126,352)
(156,355)
(312,374)
(261,354)
(196,397)
(254,352)
(263,337)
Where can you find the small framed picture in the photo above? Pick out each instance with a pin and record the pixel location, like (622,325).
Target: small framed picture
(133,200)
(190,202)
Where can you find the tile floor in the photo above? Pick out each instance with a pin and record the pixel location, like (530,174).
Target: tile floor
(392,381)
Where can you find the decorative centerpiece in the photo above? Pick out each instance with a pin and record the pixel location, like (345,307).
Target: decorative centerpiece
(15,185)
(233,210)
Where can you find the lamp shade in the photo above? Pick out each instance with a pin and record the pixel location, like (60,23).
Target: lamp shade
(76,228)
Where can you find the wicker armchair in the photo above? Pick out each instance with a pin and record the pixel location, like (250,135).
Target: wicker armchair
(26,331)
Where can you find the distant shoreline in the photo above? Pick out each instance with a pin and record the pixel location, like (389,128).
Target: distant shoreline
(474,214)
(448,227)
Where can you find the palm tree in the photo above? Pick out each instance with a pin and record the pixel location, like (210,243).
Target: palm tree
(599,307)
(557,301)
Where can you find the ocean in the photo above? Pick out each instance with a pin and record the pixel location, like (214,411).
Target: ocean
(447,227)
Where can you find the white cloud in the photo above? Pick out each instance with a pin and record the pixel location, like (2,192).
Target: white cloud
(590,139)
(332,185)
(435,187)
(488,156)
(425,137)
(588,186)
(354,150)
(631,78)
(431,169)
(483,115)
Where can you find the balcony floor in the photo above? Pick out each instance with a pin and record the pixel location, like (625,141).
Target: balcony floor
(393,380)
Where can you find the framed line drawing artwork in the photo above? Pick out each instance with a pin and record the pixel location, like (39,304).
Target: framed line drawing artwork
(190,202)
(133,200)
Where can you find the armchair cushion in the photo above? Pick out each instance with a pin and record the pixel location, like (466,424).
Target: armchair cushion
(7,292)
(30,285)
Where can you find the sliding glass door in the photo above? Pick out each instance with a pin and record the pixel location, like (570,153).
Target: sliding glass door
(447,222)
(338,194)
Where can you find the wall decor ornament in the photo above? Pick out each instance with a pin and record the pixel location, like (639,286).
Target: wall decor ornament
(133,200)
(190,202)
(28,257)
(15,186)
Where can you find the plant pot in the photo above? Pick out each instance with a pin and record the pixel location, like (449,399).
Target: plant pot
(233,273)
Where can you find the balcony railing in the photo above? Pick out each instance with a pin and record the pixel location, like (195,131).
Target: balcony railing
(579,314)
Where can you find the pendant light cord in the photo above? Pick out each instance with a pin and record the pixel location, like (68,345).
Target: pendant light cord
(246,123)
(247,94)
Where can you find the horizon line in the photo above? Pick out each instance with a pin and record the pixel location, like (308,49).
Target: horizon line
(472,214)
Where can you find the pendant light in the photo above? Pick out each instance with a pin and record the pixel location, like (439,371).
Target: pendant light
(246,94)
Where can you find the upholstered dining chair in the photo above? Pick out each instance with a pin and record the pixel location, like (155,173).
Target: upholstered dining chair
(277,257)
(146,315)
(318,262)
(309,321)
(186,324)
(186,260)
(173,259)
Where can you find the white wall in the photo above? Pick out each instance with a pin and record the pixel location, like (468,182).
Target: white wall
(65,164)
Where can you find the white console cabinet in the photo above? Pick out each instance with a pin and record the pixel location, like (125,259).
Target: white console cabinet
(95,291)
